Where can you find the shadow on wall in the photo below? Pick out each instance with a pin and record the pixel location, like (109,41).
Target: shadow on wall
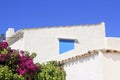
(113,56)
(81,60)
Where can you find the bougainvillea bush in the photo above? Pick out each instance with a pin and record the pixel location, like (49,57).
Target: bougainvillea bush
(19,65)
(51,71)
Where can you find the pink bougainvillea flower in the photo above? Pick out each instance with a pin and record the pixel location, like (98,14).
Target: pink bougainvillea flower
(3,57)
(26,65)
(21,53)
(19,61)
(3,45)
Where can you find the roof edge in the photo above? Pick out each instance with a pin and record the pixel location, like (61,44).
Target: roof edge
(101,23)
(91,52)
(18,35)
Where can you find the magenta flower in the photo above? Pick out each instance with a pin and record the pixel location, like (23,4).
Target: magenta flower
(3,45)
(3,57)
(21,53)
(26,65)
(18,61)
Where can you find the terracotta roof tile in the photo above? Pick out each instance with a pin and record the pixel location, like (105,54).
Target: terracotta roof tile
(88,54)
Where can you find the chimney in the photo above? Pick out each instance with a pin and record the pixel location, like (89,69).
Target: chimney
(9,33)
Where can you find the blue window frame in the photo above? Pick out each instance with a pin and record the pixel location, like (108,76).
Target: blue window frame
(66,45)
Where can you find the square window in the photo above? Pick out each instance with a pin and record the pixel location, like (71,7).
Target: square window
(66,45)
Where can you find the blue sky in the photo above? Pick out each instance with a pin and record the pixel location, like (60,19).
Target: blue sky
(43,13)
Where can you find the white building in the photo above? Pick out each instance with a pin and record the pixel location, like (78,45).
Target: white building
(82,48)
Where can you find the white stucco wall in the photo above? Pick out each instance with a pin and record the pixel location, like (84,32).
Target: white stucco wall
(45,41)
(102,66)
(18,45)
(111,66)
(89,68)
(113,43)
